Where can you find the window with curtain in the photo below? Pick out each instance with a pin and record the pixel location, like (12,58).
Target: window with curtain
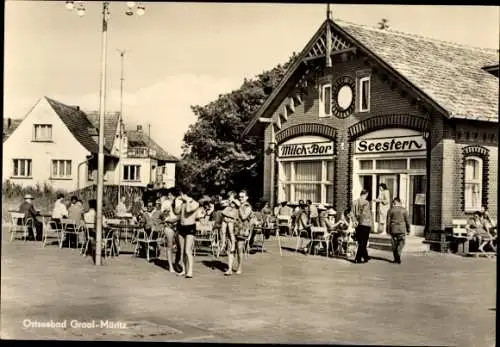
(61,169)
(22,168)
(473,183)
(42,132)
(306,180)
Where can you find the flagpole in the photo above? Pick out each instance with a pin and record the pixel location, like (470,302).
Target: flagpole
(120,124)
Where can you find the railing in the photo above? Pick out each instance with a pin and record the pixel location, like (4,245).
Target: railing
(140,152)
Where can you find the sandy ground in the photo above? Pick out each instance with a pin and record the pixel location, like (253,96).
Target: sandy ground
(430,299)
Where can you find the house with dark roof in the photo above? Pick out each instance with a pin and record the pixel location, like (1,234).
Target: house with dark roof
(361,107)
(57,144)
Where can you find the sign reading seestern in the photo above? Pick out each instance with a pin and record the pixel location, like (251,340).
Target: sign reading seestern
(306,149)
(395,144)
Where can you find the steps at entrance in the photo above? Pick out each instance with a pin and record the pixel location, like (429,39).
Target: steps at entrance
(413,244)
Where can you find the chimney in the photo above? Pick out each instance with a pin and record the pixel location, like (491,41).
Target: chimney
(9,123)
(139,128)
(78,108)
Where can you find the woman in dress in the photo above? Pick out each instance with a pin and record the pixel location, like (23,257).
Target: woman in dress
(384,204)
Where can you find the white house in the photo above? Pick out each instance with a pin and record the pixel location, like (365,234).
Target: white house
(57,144)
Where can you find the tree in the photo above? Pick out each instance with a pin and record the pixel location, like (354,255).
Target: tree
(215,157)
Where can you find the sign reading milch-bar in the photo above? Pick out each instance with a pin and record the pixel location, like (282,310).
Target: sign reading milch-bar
(306,149)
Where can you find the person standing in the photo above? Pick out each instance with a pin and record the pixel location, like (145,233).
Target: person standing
(384,203)
(187,210)
(243,229)
(398,227)
(170,219)
(364,218)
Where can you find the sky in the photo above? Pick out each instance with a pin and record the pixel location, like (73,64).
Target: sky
(183,54)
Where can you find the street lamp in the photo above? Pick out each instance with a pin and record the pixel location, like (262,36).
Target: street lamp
(80,10)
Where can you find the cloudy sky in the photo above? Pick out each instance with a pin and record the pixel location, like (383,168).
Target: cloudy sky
(182,54)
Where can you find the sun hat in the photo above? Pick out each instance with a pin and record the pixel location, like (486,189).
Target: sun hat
(321,207)
(28,196)
(331,212)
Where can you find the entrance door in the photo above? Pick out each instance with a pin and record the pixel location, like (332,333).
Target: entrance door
(418,184)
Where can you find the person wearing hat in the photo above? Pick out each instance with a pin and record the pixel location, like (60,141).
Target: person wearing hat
(30,215)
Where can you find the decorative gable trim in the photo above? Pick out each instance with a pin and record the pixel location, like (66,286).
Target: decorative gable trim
(319,48)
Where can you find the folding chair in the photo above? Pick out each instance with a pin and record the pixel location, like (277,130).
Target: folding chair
(204,235)
(85,245)
(299,238)
(19,225)
(285,222)
(71,227)
(258,229)
(154,238)
(52,231)
(319,235)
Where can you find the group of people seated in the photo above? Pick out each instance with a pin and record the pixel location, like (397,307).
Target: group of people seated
(482,230)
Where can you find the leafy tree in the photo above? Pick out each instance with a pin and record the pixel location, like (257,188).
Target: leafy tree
(215,156)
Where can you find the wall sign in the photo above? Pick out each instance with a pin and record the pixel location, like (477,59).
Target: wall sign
(306,149)
(395,144)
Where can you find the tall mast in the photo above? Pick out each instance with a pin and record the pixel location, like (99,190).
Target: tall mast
(120,124)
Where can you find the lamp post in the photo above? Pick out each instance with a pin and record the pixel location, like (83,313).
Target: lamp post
(79,6)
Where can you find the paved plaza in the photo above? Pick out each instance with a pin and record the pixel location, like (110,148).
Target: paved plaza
(431,299)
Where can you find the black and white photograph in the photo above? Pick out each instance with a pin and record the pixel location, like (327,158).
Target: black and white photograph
(275,173)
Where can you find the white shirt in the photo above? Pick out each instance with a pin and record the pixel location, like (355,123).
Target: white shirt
(166,205)
(59,210)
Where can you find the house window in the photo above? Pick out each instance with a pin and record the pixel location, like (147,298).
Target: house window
(473,183)
(364,94)
(42,132)
(132,173)
(22,168)
(307,180)
(61,169)
(325,100)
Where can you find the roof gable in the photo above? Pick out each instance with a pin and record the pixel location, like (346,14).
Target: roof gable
(111,120)
(445,75)
(77,123)
(140,139)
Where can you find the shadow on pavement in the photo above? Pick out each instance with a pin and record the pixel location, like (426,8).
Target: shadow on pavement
(380,258)
(163,263)
(215,264)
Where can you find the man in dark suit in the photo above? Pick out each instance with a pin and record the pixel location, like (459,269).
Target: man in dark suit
(398,227)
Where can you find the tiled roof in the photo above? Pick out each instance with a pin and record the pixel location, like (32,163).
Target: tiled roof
(77,122)
(449,73)
(14,123)
(141,139)
(111,120)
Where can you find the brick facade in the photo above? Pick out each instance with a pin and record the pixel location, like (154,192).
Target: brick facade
(389,108)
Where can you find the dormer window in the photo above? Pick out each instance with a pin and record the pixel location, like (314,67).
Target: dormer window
(42,132)
(325,100)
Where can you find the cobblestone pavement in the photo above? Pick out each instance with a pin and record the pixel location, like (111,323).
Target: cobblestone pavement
(430,299)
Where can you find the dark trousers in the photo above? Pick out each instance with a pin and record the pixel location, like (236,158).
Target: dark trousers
(362,235)
(398,242)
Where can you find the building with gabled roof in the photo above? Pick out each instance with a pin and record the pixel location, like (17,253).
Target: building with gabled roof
(57,144)
(417,114)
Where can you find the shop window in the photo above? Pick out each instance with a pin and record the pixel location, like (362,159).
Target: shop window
(418,164)
(306,180)
(473,181)
(22,168)
(364,94)
(366,164)
(391,164)
(325,100)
